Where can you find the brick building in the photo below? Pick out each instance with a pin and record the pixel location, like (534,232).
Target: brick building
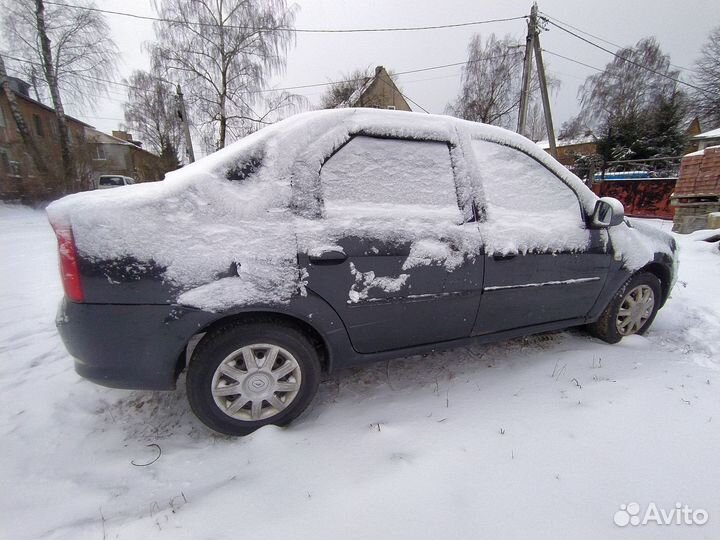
(95,153)
(697,192)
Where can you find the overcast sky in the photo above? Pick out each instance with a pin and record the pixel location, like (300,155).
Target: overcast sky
(680,27)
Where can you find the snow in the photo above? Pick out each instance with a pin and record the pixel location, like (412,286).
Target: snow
(365,281)
(371,171)
(712,134)
(543,437)
(528,207)
(244,206)
(700,152)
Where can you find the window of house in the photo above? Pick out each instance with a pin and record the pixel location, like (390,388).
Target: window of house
(389,175)
(517,186)
(4,161)
(37,121)
(3,122)
(99,152)
(15,168)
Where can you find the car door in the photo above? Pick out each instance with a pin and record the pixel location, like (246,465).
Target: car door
(391,253)
(542,263)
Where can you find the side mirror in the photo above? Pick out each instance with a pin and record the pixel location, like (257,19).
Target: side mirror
(608,213)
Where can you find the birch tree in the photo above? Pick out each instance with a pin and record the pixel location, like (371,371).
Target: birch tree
(151,112)
(72,49)
(491,85)
(224,53)
(81,49)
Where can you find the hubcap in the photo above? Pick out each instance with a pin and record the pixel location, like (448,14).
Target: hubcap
(635,310)
(256,382)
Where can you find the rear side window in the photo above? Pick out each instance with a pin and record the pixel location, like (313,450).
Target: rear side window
(517,187)
(371,173)
(111,181)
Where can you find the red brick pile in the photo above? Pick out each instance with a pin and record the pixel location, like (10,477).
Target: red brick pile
(700,175)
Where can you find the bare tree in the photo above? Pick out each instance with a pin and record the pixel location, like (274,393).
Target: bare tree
(72,48)
(223,53)
(81,49)
(635,79)
(491,84)
(344,88)
(706,101)
(490,81)
(151,112)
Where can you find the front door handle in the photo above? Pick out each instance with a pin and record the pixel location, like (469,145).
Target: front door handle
(504,257)
(328,257)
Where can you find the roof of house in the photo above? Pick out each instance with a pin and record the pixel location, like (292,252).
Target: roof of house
(584,139)
(98,137)
(712,134)
(369,82)
(50,109)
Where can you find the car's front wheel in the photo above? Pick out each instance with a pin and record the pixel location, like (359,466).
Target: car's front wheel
(631,311)
(244,376)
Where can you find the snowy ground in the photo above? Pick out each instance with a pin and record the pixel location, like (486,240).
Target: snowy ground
(543,437)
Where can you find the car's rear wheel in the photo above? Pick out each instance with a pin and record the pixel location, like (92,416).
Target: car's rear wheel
(631,311)
(244,376)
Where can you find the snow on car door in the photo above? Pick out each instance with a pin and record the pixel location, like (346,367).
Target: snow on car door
(391,254)
(542,263)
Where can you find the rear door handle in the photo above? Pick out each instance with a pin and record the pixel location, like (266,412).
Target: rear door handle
(328,257)
(504,257)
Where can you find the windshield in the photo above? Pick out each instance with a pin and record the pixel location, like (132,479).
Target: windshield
(111,181)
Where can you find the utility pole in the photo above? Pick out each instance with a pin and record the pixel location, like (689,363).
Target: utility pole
(189,153)
(533,46)
(527,70)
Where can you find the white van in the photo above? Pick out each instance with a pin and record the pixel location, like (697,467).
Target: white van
(113,180)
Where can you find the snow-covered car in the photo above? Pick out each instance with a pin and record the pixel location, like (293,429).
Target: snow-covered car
(107,181)
(335,238)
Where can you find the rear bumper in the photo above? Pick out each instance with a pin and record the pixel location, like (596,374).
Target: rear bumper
(128,346)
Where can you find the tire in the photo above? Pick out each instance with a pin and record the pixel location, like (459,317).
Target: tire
(621,318)
(234,397)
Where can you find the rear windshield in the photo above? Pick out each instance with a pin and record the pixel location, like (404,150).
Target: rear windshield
(111,181)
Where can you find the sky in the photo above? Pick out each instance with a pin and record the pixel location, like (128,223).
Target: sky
(681,29)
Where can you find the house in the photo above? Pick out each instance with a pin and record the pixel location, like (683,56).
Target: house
(118,154)
(568,149)
(95,153)
(709,138)
(378,92)
(17,174)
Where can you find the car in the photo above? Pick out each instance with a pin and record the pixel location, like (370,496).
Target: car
(335,238)
(113,180)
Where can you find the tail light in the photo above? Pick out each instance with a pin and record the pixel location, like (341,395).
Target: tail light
(69,271)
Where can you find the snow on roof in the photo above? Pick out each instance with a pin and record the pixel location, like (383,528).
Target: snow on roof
(584,139)
(355,96)
(700,152)
(712,134)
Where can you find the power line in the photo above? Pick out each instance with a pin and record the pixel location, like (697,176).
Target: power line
(573,60)
(603,39)
(290,29)
(628,60)
(297,87)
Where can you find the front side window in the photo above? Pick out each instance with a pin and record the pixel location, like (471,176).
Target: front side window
(372,174)
(528,208)
(516,186)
